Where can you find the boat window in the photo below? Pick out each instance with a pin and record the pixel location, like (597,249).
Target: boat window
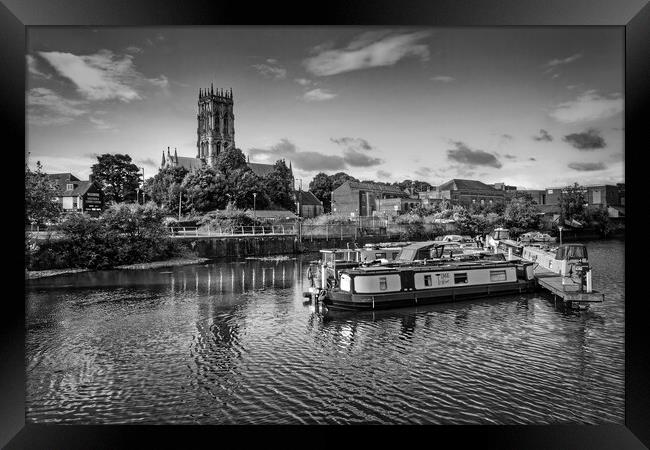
(427,280)
(497,275)
(382,284)
(571,252)
(460,278)
(380,255)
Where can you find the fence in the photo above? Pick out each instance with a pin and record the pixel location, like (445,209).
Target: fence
(232,231)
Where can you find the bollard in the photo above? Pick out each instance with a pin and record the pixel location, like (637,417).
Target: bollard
(509,253)
(589,286)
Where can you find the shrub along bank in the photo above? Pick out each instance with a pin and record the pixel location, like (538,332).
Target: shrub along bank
(123,234)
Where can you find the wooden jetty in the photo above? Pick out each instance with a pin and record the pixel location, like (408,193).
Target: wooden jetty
(569,291)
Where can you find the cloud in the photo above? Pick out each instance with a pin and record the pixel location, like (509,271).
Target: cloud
(588,106)
(532,159)
(555,75)
(507,136)
(103,75)
(567,60)
(32,67)
(543,136)
(46,107)
(587,140)
(443,78)
(308,161)
(134,49)
(355,152)
(383,175)
(101,124)
(356,158)
(272,70)
(587,166)
(148,162)
(472,158)
(318,95)
(509,156)
(358,143)
(303,81)
(424,172)
(373,49)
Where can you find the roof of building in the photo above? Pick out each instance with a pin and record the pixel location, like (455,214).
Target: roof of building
(63,176)
(188,163)
(260,169)
(307,198)
(80,187)
(457,184)
(375,187)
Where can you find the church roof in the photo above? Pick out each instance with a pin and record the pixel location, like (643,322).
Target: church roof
(188,163)
(261,170)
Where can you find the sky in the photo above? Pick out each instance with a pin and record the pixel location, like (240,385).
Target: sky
(532,107)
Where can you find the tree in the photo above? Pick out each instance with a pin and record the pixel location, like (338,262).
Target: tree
(242,184)
(416,185)
(572,204)
(522,214)
(278,184)
(229,160)
(163,187)
(204,190)
(599,218)
(40,195)
(117,176)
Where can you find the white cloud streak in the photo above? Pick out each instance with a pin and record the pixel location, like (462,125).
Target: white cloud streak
(318,95)
(103,75)
(588,106)
(46,107)
(374,49)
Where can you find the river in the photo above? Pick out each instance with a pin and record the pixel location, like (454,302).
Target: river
(233,342)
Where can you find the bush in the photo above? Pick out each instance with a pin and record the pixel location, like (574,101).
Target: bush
(123,234)
(229,218)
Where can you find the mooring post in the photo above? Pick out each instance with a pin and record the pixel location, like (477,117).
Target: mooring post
(589,286)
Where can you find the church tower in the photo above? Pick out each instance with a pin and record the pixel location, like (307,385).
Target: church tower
(216,124)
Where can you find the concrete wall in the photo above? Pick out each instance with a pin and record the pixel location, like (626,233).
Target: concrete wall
(217,247)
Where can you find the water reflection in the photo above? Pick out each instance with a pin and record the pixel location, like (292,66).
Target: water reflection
(233,342)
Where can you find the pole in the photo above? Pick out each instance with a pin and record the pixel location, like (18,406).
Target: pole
(254,199)
(180,199)
(142,187)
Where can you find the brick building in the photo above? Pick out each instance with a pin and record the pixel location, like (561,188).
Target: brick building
(308,205)
(465,193)
(357,199)
(77,195)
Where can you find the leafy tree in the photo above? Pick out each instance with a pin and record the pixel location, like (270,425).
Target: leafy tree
(159,187)
(572,204)
(522,214)
(40,194)
(599,218)
(278,184)
(416,185)
(229,160)
(242,184)
(204,190)
(117,176)
(341,177)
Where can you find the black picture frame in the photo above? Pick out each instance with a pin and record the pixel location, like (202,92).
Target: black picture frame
(633,15)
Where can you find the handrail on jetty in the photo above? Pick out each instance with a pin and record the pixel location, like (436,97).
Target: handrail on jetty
(251,230)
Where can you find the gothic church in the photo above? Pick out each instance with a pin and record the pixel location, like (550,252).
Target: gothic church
(215,133)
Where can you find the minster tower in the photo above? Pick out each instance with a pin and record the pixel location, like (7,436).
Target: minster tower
(216,124)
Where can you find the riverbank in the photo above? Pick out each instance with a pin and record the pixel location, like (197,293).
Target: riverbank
(173,262)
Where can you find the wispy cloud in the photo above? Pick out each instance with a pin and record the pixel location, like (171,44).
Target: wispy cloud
(304,160)
(318,95)
(443,78)
(271,69)
(587,107)
(586,166)
(382,175)
(543,136)
(103,75)
(101,124)
(46,107)
(32,67)
(586,140)
(303,81)
(134,49)
(373,49)
(562,61)
(355,152)
(470,157)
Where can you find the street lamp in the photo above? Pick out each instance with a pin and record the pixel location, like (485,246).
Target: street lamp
(254,198)
(560,229)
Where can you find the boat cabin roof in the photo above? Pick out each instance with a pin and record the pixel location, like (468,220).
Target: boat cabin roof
(421,245)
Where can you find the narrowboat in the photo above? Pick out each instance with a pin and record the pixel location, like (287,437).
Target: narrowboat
(421,274)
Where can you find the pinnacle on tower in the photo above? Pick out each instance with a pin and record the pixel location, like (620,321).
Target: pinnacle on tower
(175,155)
(163,159)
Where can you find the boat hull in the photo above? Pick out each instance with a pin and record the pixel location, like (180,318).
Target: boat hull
(346,301)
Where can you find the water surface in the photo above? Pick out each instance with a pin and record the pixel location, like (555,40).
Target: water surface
(233,342)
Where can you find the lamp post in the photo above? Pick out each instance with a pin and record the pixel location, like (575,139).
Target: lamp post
(254,199)
(180,200)
(560,229)
(137,195)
